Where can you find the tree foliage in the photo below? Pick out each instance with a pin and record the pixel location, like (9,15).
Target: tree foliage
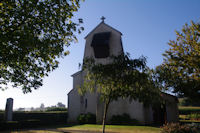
(33,35)
(122,78)
(180,71)
(59,104)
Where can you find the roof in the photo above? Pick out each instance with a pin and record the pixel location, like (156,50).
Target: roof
(76,73)
(70,91)
(100,25)
(167,94)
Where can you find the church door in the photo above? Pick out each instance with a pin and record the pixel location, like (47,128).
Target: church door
(159,114)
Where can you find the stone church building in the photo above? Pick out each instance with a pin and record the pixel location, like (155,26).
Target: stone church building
(102,42)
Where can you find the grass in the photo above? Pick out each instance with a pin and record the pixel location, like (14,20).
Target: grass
(188,108)
(189,114)
(94,128)
(185,110)
(189,121)
(182,117)
(114,128)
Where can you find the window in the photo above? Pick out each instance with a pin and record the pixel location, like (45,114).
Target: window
(85,103)
(100,44)
(81,99)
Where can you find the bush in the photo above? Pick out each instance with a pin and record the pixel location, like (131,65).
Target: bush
(188,110)
(43,117)
(88,118)
(33,119)
(9,125)
(177,128)
(195,116)
(188,102)
(56,109)
(19,124)
(123,119)
(1,116)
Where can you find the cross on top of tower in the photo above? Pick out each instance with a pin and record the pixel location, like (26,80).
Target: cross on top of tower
(103,18)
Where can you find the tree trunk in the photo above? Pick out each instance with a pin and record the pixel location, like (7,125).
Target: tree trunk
(105,114)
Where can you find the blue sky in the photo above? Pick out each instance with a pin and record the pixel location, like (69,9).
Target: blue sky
(146,25)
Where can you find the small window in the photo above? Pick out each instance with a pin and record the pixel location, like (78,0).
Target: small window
(81,99)
(85,103)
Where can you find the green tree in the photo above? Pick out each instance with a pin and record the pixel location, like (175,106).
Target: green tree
(61,105)
(180,71)
(122,78)
(33,35)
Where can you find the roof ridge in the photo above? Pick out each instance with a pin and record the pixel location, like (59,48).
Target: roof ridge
(98,26)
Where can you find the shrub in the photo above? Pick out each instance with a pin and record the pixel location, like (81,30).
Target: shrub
(9,125)
(194,116)
(188,102)
(33,119)
(123,119)
(43,117)
(56,109)
(188,110)
(177,128)
(1,116)
(88,118)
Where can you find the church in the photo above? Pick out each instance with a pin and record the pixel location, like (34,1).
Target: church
(102,42)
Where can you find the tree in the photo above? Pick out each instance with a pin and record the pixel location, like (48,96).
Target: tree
(123,78)
(33,35)
(180,71)
(42,107)
(61,105)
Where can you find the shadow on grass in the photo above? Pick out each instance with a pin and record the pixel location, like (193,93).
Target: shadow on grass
(15,125)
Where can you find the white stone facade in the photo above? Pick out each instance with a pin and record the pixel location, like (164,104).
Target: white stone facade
(90,102)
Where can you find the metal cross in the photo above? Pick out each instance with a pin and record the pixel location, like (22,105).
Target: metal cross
(103,18)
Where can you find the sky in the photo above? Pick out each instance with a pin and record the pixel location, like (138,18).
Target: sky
(146,25)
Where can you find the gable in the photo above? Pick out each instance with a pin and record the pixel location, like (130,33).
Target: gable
(102,42)
(102,24)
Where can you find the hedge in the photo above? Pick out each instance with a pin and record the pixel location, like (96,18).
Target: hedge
(188,110)
(33,119)
(123,119)
(88,118)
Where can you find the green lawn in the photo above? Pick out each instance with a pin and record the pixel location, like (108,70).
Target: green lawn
(114,128)
(185,110)
(92,127)
(189,114)
(188,108)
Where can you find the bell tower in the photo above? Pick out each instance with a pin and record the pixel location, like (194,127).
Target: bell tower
(102,42)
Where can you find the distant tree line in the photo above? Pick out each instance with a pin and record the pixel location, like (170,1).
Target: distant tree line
(58,107)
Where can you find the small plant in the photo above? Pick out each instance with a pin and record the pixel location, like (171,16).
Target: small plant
(177,128)
(123,119)
(88,118)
